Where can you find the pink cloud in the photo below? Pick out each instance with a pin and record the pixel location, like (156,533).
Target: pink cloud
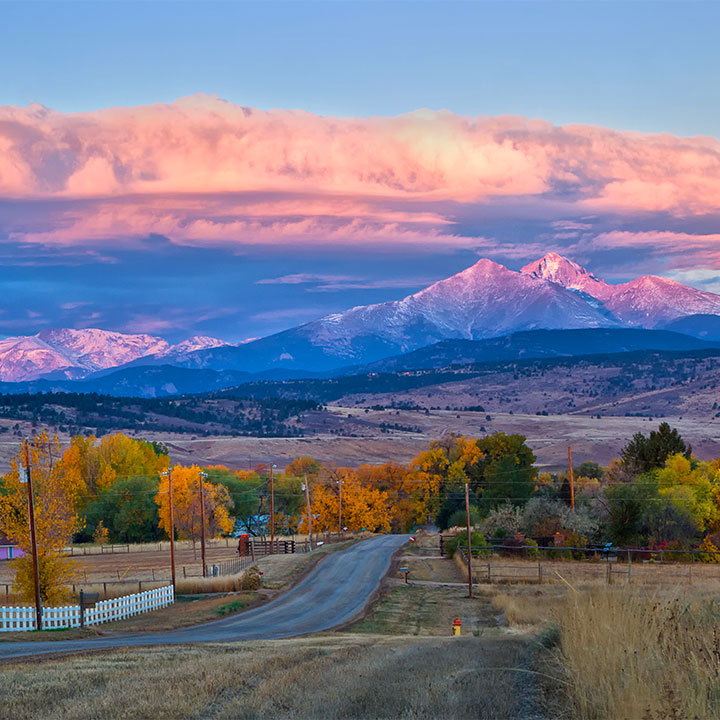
(205,145)
(684,249)
(202,171)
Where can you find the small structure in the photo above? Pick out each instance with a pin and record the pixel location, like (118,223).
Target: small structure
(9,550)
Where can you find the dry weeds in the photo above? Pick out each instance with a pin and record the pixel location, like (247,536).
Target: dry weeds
(329,677)
(630,655)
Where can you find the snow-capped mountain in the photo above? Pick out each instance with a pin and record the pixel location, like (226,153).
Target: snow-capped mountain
(483,301)
(647,302)
(569,274)
(191,345)
(486,300)
(78,353)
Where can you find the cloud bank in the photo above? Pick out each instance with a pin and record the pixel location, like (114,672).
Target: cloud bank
(204,172)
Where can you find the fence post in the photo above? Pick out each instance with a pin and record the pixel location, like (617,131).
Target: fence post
(539,571)
(629,564)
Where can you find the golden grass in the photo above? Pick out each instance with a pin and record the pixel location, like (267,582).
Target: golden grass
(328,677)
(522,609)
(630,655)
(248,580)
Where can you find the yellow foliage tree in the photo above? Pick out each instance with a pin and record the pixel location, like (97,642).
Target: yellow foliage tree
(186,501)
(95,464)
(363,506)
(55,496)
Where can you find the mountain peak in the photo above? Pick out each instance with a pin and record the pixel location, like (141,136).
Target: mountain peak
(563,271)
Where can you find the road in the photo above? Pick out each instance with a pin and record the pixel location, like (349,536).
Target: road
(336,591)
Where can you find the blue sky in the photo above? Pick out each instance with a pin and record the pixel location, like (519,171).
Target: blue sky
(636,66)
(650,66)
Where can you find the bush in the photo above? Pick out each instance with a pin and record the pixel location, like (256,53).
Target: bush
(708,552)
(502,521)
(477,540)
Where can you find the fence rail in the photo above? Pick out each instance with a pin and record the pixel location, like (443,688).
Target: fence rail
(530,563)
(229,567)
(13,619)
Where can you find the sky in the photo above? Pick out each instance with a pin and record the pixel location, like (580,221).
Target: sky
(234,169)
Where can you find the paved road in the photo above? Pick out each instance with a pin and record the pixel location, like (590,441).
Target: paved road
(336,591)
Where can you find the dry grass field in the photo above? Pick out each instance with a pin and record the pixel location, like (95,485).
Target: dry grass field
(593,438)
(573,649)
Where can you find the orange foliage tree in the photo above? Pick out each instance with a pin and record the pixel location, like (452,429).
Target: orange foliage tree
(55,496)
(186,501)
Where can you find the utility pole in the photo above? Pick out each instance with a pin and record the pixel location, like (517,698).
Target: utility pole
(469,543)
(309,516)
(33,536)
(572,483)
(340,484)
(172,526)
(272,508)
(203,475)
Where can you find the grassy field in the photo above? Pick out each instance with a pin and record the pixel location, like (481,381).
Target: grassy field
(576,650)
(399,661)
(117,574)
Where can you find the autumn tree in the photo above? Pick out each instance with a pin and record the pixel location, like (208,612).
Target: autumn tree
(186,501)
(363,507)
(56,519)
(127,509)
(95,464)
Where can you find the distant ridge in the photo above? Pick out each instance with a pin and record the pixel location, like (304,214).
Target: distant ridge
(484,301)
(157,381)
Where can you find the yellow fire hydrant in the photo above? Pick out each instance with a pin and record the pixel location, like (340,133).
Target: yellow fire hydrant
(456,626)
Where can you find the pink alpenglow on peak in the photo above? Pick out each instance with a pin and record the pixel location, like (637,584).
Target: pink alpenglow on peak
(569,274)
(648,301)
(74,354)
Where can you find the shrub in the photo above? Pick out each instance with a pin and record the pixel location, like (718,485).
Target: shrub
(477,540)
(708,551)
(502,521)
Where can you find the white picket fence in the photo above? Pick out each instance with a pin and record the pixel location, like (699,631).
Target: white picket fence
(13,619)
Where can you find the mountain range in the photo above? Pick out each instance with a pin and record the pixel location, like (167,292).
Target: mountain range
(73,354)
(484,301)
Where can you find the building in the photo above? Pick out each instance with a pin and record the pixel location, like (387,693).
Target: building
(8,549)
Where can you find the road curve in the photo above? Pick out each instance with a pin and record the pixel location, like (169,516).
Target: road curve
(334,592)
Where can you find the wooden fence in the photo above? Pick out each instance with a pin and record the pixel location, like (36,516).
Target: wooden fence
(530,564)
(13,619)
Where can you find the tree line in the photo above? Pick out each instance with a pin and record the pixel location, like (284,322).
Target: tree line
(115,489)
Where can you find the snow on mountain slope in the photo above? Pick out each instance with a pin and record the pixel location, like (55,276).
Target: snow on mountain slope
(192,344)
(648,301)
(651,301)
(569,274)
(77,353)
(28,358)
(485,300)
(94,349)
